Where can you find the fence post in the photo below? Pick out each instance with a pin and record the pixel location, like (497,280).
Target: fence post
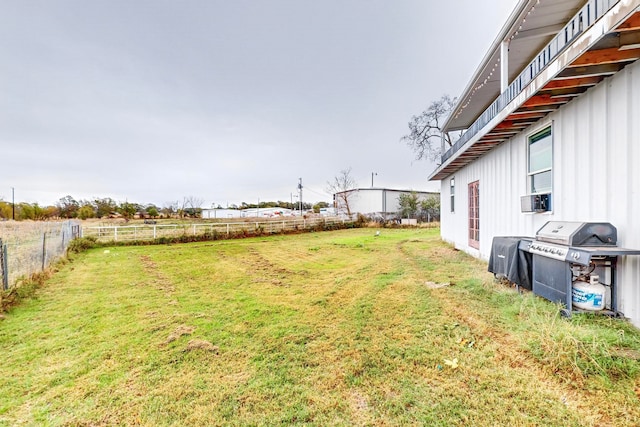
(44,250)
(3,265)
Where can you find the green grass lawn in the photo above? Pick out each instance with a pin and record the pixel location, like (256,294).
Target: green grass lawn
(329,328)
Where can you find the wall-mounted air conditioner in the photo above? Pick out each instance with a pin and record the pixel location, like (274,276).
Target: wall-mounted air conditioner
(535,203)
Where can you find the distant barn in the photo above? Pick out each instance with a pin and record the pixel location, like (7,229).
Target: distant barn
(376,203)
(246,213)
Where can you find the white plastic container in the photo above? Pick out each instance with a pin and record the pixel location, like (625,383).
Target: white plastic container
(588,295)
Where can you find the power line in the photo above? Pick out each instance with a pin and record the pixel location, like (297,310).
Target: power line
(316,192)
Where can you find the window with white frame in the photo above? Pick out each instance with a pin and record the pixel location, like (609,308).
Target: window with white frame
(452,192)
(540,162)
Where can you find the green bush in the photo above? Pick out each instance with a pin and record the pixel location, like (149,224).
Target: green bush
(82,244)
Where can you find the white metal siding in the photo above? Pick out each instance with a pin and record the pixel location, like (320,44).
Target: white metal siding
(377,200)
(366,201)
(391,201)
(596,177)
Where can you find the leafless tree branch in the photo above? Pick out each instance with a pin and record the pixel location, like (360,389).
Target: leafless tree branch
(425,130)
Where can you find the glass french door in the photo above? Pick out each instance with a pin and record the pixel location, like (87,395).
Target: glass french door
(474,214)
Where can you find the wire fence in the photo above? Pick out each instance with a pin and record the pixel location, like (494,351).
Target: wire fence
(27,248)
(158,231)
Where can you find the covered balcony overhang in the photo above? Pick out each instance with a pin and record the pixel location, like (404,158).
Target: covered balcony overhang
(600,39)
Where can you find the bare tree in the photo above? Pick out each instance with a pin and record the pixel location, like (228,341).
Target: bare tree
(425,131)
(192,206)
(342,187)
(169,209)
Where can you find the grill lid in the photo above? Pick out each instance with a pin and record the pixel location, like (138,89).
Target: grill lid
(578,233)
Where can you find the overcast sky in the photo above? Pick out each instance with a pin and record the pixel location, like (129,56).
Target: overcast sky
(151,101)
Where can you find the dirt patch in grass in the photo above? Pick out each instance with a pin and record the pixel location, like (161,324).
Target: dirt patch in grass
(202,345)
(159,280)
(359,408)
(180,331)
(261,270)
(434,285)
(628,353)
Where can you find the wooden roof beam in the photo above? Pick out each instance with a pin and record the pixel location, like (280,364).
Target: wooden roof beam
(525,115)
(631,24)
(573,83)
(497,139)
(559,93)
(544,100)
(541,109)
(502,132)
(590,71)
(606,56)
(526,123)
(486,145)
(510,126)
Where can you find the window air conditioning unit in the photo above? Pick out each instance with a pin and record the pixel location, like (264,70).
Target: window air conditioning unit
(535,203)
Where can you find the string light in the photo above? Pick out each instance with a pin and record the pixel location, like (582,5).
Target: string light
(524,20)
(484,82)
(477,88)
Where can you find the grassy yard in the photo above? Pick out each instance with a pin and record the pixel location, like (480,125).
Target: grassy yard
(331,328)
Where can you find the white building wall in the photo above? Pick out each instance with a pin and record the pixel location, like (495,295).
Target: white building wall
(366,201)
(377,200)
(596,177)
(221,213)
(391,200)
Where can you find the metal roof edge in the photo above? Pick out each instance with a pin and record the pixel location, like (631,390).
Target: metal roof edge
(516,16)
(390,189)
(502,115)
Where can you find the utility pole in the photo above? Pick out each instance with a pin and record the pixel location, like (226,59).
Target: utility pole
(372,174)
(300,190)
(13,203)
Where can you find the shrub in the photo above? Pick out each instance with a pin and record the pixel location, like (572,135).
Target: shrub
(82,244)
(361,221)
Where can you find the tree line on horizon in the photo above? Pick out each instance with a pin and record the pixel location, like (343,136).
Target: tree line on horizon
(69,208)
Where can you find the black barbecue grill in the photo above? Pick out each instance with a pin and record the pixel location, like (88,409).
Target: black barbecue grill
(562,248)
(506,261)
